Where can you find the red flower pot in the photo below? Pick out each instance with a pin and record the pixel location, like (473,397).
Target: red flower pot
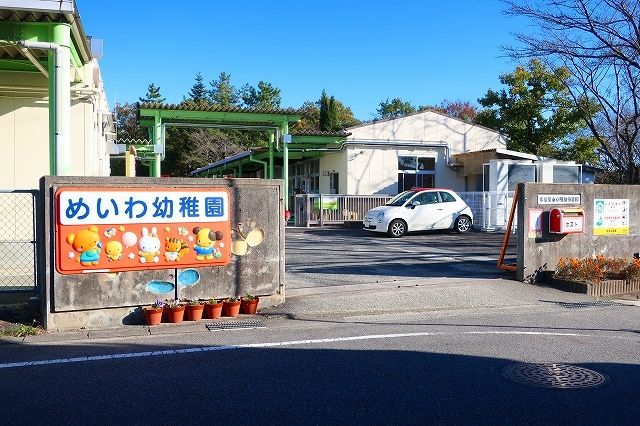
(230,309)
(174,314)
(249,306)
(194,312)
(213,310)
(152,316)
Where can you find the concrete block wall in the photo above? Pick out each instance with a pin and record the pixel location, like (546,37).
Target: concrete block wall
(542,252)
(107,299)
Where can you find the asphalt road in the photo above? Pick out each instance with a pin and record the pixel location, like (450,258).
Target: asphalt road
(448,359)
(320,257)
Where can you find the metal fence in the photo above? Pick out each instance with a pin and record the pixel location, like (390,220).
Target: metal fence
(490,209)
(18,240)
(336,209)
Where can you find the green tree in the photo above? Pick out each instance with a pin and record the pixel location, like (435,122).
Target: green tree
(222,92)
(153,95)
(323,123)
(598,42)
(462,110)
(394,108)
(198,93)
(584,150)
(535,110)
(265,96)
(328,115)
(311,116)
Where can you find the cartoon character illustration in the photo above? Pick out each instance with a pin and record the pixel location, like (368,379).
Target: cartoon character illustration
(175,248)
(113,250)
(149,245)
(87,243)
(205,243)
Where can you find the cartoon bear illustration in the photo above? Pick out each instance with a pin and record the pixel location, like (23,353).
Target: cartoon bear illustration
(149,245)
(205,243)
(87,243)
(174,248)
(113,250)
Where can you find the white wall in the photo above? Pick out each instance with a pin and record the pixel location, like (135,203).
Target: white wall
(374,170)
(330,163)
(24,128)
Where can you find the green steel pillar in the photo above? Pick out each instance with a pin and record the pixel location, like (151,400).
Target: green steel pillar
(52,113)
(60,98)
(284,129)
(239,170)
(271,173)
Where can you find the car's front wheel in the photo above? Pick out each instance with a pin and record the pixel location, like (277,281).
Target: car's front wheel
(397,228)
(463,224)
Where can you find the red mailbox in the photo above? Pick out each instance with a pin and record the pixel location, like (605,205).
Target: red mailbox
(566,221)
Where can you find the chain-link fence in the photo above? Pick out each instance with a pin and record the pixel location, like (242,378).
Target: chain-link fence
(18,240)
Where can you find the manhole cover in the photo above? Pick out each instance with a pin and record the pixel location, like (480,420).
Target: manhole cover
(583,305)
(227,325)
(555,376)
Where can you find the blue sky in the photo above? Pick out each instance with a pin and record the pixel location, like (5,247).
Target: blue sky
(362,52)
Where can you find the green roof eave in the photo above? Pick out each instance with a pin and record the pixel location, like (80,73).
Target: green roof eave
(40,31)
(214,114)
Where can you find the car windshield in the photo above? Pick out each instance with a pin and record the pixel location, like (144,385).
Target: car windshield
(401,198)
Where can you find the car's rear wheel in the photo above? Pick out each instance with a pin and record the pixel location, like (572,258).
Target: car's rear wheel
(397,228)
(463,224)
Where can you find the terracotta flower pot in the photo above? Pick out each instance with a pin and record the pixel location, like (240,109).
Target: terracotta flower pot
(249,306)
(230,309)
(152,316)
(213,310)
(194,312)
(174,314)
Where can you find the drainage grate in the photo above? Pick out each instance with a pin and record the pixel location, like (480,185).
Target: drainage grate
(585,305)
(234,325)
(554,376)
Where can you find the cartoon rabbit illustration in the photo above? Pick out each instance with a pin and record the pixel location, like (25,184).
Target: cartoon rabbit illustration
(149,245)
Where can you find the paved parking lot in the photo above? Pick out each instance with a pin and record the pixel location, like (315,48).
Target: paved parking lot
(341,256)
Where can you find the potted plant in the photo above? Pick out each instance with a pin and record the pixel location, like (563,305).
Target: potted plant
(194,310)
(153,313)
(231,307)
(213,308)
(174,310)
(249,303)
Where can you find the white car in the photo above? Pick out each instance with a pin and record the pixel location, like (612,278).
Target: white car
(420,209)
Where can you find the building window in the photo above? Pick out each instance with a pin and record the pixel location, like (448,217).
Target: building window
(519,173)
(485,177)
(407,163)
(414,171)
(566,174)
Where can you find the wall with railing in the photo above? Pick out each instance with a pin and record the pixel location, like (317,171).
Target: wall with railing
(336,208)
(490,209)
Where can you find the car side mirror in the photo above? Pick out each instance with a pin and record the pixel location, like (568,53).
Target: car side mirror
(414,204)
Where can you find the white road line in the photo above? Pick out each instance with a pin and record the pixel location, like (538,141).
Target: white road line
(271,345)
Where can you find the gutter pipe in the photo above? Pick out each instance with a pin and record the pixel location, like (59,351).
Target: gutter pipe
(61,99)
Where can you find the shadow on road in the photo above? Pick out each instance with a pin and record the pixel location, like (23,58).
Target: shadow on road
(287,386)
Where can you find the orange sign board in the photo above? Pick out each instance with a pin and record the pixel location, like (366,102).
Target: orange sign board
(115,229)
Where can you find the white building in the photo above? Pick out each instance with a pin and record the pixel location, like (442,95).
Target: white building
(425,149)
(34,36)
